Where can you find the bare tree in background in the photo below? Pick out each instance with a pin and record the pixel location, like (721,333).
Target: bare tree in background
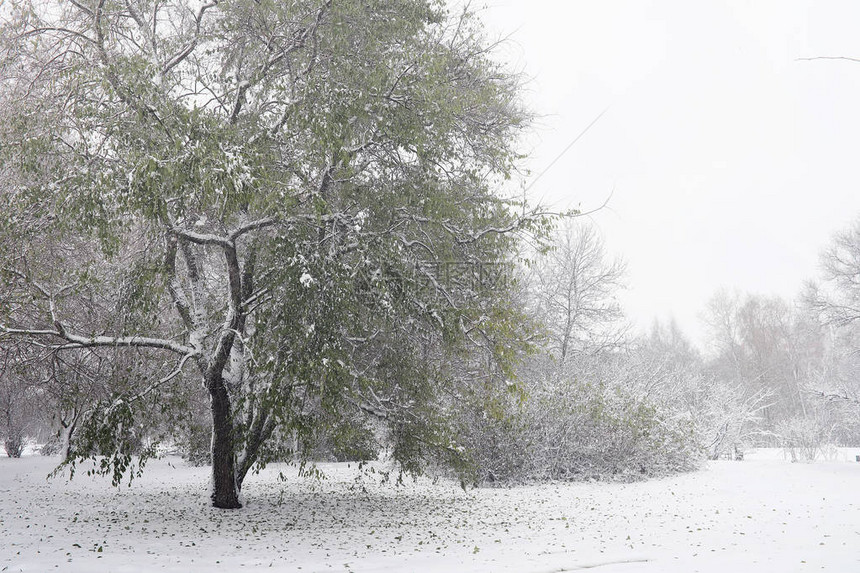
(836,302)
(765,344)
(575,287)
(668,341)
(838,298)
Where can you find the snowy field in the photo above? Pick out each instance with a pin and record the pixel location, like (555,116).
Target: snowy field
(761,515)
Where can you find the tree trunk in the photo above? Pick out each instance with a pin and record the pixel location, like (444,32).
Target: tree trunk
(225,487)
(66,436)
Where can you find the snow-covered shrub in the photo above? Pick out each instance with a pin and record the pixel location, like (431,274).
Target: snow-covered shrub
(597,430)
(726,415)
(805,438)
(16,414)
(495,433)
(17,399)
(593,424)
(14,444)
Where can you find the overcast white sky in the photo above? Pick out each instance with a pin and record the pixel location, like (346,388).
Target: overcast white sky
(733,163)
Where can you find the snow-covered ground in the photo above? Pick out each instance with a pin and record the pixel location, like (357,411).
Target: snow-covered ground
(761,515)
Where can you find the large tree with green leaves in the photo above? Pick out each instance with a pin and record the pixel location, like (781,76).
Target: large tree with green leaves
(273,194)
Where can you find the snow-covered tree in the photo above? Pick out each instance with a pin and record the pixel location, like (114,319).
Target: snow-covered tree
(287,199)
(575,290)
(764,345)
(835,300)
(593,404)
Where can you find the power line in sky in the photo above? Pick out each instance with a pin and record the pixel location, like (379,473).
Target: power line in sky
(566,149)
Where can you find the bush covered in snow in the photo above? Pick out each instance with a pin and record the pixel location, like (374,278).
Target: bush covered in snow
(592,424)
(805,438)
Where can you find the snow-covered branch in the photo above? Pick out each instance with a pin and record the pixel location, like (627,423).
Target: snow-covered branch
(78,341)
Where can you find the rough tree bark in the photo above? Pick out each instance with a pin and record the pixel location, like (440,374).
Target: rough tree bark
(225,484)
